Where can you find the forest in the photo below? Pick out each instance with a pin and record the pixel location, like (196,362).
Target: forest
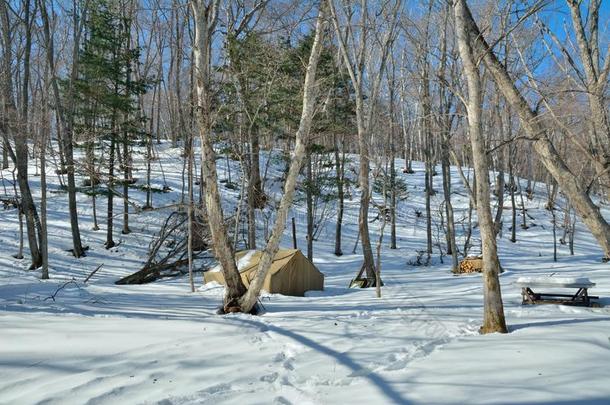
(369,198)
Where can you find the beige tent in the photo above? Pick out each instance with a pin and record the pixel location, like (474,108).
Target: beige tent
(291,273)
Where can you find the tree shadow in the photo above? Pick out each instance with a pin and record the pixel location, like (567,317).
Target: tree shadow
(344,359)
(587,401)
(515,327)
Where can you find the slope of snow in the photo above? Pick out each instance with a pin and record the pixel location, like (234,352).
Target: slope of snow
(66,342)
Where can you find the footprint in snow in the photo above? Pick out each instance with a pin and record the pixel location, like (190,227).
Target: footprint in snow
(216,389)
(288,365)
(281,401)
(279,357)
(269,378)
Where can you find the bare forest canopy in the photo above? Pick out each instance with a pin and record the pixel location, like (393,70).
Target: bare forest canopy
(90,88)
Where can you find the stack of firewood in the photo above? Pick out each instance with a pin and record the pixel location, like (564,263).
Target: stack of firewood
(471,264)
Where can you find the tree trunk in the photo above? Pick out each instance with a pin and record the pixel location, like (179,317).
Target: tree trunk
(392,168)
(126,180)
(205,14)
(4,155)
(363,179)
(426,132)
(19,255)
(493,320)
(251,216)
(513,204)
(469,229)
(339,169)
(110,210)
(72,206)
(451,244)
(16,126)
(309,198)
(190,211)
(29,209)
(258,197)
(64,118)
(393,197)
(500,194)
(44,245)
(428,193)
(364,116)
(149,146)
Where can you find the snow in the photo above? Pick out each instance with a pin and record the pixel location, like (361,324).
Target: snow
(242,263)
(554,281)
(158,343)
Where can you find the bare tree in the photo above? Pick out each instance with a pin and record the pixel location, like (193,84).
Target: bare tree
(594,82)
(237,298)
(493,319)
(205,14)
(535,129)
(14,123)
(445,123)
(248,301)
(64,108)
(355,41)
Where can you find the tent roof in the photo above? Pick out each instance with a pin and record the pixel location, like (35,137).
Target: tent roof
(281,259)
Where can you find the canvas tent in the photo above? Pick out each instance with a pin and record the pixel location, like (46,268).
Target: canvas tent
(291,273)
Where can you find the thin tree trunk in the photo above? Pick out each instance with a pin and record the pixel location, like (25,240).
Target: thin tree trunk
(126,180)
(190,211)
(513,186)
(339,169)
(149,146)
(428,212)
(258,197)
(426,132)
(65,120)
(554,221)
(364,113)
(309,198)
(110,210)
(93,180)
(572,235)
(379,244)
(44,245)
(19,254)
(363,217)
(392,166)
(126,156)
(4,155)
(251,216)
(500,194)
(451,244)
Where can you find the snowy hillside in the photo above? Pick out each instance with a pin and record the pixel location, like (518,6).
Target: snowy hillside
(64,341)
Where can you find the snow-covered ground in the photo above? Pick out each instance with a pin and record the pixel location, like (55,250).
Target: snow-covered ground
(158,343)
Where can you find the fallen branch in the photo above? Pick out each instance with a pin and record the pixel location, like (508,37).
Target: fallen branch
(93,272)
(153,273)
(61,287)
